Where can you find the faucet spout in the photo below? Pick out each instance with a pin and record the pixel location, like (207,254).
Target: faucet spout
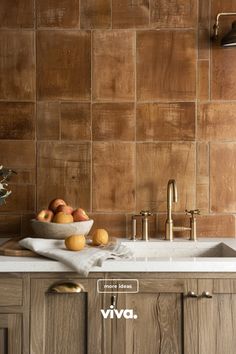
(172,197)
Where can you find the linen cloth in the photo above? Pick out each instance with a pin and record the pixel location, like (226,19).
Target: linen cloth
(79,261)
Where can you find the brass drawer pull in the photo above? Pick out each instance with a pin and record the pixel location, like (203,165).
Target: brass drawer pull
(207,295)
(66,288)
(192,294)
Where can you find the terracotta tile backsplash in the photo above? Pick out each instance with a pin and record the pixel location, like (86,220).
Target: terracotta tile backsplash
(102,101)
(166,65)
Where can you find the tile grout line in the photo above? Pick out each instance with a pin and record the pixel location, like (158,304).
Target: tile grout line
(91,121)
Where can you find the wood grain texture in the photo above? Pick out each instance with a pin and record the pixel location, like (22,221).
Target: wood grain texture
(12,323)
(48,121)
(17,14)
(95,14)
(65,75)
(17,121)
(75,121)
(113,73)
(222,177)
(160,323)
(12,248)
(54,13)
(11,293)
(203,80)
(65,318)
(130,14)
(113,121)
(165,121)
(175,75)
(216,121)
(114,165)
(18,71)
(174,14)
(218,338)
(65,168)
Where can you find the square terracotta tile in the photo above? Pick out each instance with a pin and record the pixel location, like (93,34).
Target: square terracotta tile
(216,121)
(64,172)
(175,75)
(165,121)
(21,157)
(115,224)
(95,14)
(202,162)
(164,161)
(113,176)
(113,121)
(178,13)
(17,65)
(202,200)
(48,120)
(113,65)
(216,226)
(222,70)
(10,225)
(203,91)
(223,177)
(19,13)
(65,75)
(17,154)
(17,120)
(202,187)
(75,121)
(57,13)
(21,200)
(130,14)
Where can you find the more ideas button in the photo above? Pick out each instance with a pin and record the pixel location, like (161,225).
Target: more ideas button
(117,286)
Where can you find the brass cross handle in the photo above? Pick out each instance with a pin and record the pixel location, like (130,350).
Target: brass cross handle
(192,212)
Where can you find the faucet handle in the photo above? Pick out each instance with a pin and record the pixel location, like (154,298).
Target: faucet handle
(192,212)
(145,213)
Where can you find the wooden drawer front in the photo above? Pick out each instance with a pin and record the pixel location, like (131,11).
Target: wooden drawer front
(11,292)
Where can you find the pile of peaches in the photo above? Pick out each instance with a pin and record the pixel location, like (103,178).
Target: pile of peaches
(59,212)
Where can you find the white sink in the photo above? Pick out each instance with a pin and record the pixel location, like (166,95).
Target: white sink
(180,249)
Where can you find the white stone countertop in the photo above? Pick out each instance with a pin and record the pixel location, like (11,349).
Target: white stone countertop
(204,255)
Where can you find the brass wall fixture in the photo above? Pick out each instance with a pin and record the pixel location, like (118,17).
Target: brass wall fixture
(229,40)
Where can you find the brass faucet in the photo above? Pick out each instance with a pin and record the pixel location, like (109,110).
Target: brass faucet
(169,226)
(144,216)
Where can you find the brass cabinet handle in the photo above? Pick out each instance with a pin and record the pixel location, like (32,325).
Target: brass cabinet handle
(192,294)
(113,300)
(206,295)
(66,288)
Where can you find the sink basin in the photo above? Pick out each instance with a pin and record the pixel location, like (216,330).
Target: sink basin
(180,249)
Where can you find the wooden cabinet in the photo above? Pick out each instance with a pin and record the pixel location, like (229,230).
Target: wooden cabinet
(66,321)
(14,314)
(169,316)
(164,317)
(11,335)
(217,316)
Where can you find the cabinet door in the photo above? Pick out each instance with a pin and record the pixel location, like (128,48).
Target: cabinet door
(59,320)
(11,334)
(217,316)
(166,322)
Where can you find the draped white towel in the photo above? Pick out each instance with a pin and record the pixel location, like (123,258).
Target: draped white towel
(81,261)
